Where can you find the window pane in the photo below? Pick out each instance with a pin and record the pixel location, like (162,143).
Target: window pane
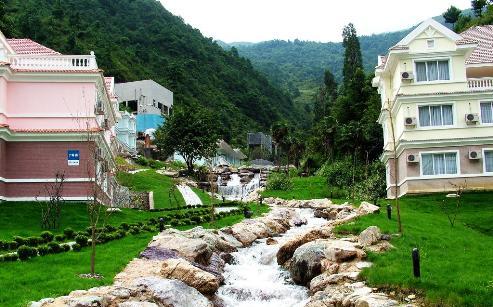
(448,117)
(436,115)
(451,163)
(486,114)
(443,72)
(424,116)
(488,161)
(432,70)
(439,164)
(427,164)
(420,71)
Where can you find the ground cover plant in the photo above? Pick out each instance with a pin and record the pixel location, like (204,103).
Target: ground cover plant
(456,262)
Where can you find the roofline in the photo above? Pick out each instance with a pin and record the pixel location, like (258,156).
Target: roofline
(435,24)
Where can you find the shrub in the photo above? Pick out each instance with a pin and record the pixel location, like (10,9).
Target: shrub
(20,240)
(340,173)
(43,250)
(76,247)
(109,228)
(121,233)
(81,240)
(65,247)
(279,181)
(69,233)
(125,226)
(34,241)
(374,186)
(174,222)
(11,245)
(59,238)
(47,236)
(54,248)
(9,257)
(135,230)
(25,252)
(155,164)
(186,221)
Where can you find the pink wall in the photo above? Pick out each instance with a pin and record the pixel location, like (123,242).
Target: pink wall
(49,105)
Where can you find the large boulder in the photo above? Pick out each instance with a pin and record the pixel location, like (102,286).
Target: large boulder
(214,240)
(320,282)
(196,250)
(369,236)
(171,292)
(182,270)
(340,251)
(287,249)
(137,304)
(138,268)
(331,296)
(242,233)
(367,208)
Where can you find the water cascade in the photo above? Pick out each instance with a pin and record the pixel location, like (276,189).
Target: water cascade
(235,189)
(255,278)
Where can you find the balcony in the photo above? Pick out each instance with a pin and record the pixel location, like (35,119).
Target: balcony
(480,84)
(53,62)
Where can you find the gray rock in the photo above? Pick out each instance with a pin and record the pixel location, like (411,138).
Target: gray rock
(137,304)
(158,253)
(86,301)
(369,236)
(170,292)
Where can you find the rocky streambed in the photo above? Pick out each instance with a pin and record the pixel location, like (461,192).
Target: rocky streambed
(289,257)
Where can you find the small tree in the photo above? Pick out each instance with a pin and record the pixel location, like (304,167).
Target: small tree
(453,211)
(452,14)
(51,209)
(192,132)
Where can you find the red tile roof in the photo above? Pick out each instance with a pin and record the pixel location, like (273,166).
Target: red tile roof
(27,46)
(483,36)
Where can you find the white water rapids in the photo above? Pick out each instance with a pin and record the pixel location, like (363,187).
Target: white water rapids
(235,190)
(255,279)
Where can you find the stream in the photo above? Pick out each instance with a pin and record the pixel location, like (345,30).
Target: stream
(255,279)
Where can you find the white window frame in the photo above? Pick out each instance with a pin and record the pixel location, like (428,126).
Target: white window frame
(454,116)
(484,160)
(457,161)
(450,73)
(432,41)
(481,114)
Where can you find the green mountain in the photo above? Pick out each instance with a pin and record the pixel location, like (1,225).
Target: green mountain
(140,39)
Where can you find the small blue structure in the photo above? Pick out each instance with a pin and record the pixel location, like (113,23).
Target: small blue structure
(148,121)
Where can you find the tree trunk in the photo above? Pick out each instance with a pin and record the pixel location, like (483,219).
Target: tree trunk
(93,250)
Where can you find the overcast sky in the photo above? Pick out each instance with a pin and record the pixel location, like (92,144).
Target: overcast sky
(317,20)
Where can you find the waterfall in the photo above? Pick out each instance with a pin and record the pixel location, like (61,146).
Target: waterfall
(256,280)
(190,197)
(235,189)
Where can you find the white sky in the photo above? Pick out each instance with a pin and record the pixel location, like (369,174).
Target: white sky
(317,20)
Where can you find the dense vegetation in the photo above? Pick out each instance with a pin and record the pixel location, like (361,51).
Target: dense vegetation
(140,39)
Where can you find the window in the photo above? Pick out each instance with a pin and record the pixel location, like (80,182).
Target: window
(432,71)
(439,163)
(487,112)
(438,115)
(430,43)
(488,161)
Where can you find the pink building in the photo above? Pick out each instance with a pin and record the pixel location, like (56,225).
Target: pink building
(57,114)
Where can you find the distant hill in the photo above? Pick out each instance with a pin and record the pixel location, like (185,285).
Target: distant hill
(140,39)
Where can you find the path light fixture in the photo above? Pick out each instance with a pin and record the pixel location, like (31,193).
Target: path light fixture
(161,224)
(389,211)
(416,266)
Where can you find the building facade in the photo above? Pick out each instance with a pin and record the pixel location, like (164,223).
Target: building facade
(57,116)
(436,88)
(149,100)
(126,133)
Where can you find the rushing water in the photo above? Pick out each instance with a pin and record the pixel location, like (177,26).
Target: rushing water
(255,279)
(235,190)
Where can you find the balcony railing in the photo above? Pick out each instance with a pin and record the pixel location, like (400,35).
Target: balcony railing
(54,62)
(480,84)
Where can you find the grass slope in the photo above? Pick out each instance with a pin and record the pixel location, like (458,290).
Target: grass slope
(456,262)
(304,188)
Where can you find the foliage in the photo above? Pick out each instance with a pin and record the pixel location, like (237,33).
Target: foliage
(478,7)
(47,236)
(373,186)
(482,14)
(190,131)
(340,173)
(81,240)
(307,188)
(279,181)
(139,39)
(25,252)
(51,209)
(451,15)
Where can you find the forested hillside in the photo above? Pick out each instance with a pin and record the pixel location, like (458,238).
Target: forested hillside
(139,39)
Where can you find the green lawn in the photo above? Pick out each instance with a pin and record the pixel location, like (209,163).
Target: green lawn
(305,188)
(55,275)
(456,262)
(149,180)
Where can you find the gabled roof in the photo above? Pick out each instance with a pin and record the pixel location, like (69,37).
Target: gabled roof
(483,36)
(27,46)
(423,26)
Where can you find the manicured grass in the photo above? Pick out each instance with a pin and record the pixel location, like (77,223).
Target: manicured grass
(151,181)
(456,262)
(55,275)
(305,188)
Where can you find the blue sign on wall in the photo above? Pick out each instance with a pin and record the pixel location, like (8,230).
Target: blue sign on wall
(73,157)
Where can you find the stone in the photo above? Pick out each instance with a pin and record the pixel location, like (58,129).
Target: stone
(86,301)
(158,253)
(363,264)
(367,208)
(215,266)
(137,304)
(375,300)
(138,268)
(230,239)
(286,251)
(196,250)
(215,241)
(369,236)
(380,247)
(330,297)
(325,279)
(298,221)
(306,262)
(171,292)
(42,302)
(385,237)
(182,270)
(339,251)
(243,234)
(270,241)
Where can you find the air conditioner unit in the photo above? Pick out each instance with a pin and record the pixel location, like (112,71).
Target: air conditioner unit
(472,118)
(474,155)
(412,158)
(410,121)
(406,75)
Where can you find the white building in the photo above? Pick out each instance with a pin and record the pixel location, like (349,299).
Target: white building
(126,132)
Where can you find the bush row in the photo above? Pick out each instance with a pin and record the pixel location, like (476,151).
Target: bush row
(43,238)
